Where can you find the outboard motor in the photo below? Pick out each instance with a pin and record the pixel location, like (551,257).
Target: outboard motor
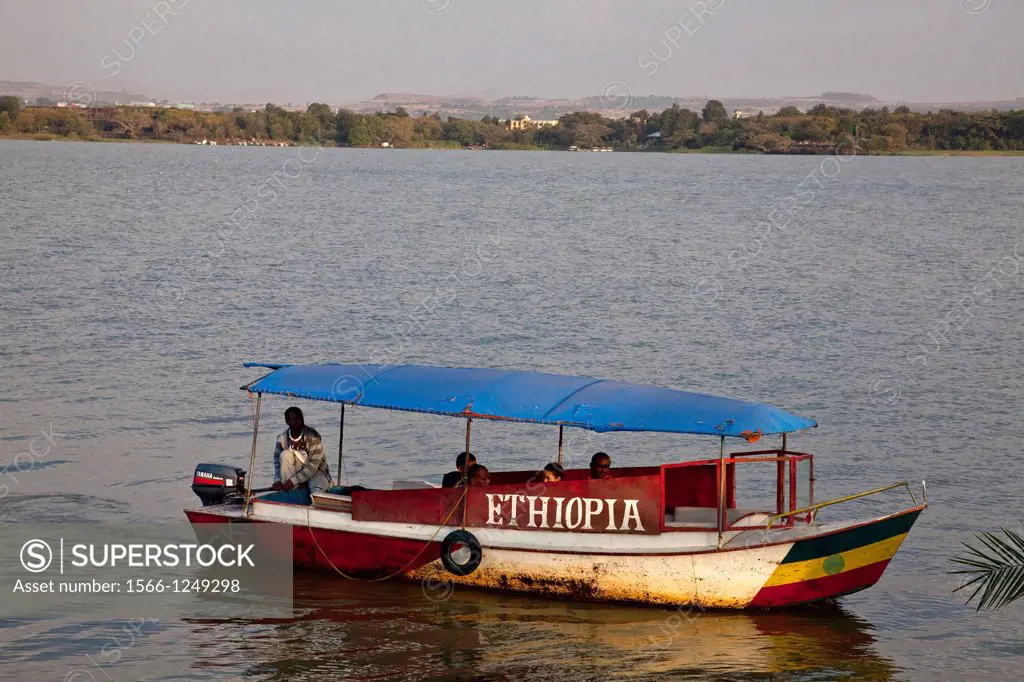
(219,484)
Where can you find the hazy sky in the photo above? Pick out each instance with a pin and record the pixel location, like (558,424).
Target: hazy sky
(346,50)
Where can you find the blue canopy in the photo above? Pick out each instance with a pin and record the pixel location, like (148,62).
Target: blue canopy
(584,402)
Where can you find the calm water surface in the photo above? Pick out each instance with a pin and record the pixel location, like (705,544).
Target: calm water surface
(889,309)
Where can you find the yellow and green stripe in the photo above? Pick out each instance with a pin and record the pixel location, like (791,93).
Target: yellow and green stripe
(835,564)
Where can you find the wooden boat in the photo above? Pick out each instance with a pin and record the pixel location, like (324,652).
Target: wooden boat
(672,534)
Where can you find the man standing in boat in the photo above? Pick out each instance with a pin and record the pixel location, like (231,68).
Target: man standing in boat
(299,456)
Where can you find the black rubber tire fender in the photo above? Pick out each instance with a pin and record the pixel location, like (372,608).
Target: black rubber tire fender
(461,537)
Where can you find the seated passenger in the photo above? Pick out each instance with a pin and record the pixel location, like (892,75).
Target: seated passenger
(478,475)
(600,465)
(553,472)
(453,478)
(299,459)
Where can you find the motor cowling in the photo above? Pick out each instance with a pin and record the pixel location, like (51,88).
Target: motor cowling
(218,484)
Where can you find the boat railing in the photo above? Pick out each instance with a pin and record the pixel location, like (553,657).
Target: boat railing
(812,510)
(782,456)
(785,480)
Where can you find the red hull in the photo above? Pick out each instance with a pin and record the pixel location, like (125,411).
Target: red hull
(357,554)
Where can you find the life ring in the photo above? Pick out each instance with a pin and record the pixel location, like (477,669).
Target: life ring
(461,552)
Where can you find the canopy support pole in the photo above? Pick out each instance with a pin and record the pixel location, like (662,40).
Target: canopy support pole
(811,486)
(780,493)
(341,441)
(560,428)
(721,489)
(469,429)
(252,457)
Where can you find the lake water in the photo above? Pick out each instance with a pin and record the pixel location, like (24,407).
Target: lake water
(137,279)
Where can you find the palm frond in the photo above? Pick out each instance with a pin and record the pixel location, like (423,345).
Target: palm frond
(996,568)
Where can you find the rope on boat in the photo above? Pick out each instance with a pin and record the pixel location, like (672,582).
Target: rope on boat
(330,563)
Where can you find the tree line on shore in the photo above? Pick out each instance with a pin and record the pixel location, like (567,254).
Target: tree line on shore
(821,129)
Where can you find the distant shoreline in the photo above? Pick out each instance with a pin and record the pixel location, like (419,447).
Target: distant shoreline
(704,151)
(819,131)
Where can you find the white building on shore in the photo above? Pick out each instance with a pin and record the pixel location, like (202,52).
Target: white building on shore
(525,121)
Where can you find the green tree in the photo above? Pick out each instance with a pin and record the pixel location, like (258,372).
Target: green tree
(623,133)
(397,130)
(675,119)
(770,142)
(427,129)
(280,128)
(714,112)
(524,136)
(358,134)
(344,123)
(589,134)
(789,111)
(12,105)
(895,136)
(323,114)
(462,131)
(581,117)
(640,119)
(69,122)
(495,135)
(375,128)
(132,121)
(680,138)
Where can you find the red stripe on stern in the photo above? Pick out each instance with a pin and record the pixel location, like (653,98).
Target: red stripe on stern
(820,588)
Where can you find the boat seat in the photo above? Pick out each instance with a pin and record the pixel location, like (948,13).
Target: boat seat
(332,502)
(707,517)
(412,485)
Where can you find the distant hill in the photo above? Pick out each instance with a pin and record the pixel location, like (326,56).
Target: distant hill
(408,98)
(31,91)
(618,103)
(622,102)
(849,97)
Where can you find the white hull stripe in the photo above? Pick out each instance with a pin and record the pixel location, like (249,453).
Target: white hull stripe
(678,542)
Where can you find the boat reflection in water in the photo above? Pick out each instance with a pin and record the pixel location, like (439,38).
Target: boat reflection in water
(394,631)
